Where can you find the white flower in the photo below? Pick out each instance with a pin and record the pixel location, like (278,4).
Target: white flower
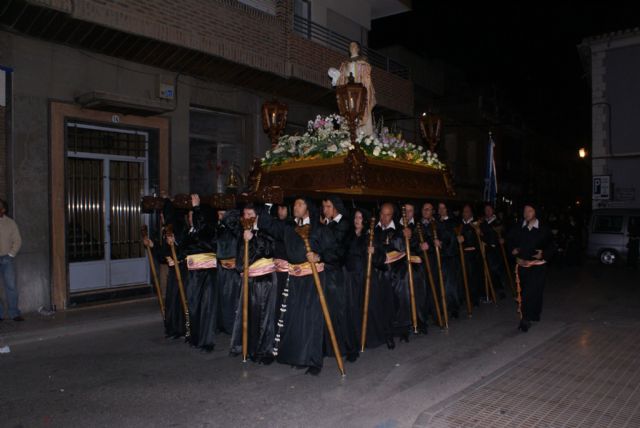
(332,148)
(376,151)
(267,155)
(345,144)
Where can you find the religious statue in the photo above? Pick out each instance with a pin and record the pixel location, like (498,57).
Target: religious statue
(358,67)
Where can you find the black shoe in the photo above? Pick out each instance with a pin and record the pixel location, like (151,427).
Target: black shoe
(18,318)
(391,344)
(404,338)
(313,371)
(524,326)
(423,330)
(266,360)
(455,315)
(207,349)
(352,357)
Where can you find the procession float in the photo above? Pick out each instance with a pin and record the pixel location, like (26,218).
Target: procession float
(340,154)
(346,154)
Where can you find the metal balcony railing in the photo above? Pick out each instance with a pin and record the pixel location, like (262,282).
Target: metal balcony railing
(312,31)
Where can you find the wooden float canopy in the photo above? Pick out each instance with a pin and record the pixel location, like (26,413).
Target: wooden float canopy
(353,177)
(378,178)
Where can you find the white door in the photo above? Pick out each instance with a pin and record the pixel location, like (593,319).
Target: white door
(107,174)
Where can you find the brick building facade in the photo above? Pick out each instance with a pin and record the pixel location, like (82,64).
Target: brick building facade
(158,95)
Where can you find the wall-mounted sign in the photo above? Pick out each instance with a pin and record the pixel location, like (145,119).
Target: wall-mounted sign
(625,194)
(601,188)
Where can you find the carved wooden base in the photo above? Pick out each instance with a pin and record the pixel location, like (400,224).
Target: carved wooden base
(355,176)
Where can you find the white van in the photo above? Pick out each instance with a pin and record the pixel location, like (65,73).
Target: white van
(609,233)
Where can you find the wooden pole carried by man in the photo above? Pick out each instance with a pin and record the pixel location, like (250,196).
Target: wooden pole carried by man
(152,266)
(367,286)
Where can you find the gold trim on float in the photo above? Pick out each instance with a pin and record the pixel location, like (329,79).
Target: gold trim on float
(339,160)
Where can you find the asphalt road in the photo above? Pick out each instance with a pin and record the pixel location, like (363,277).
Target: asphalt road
(106,371)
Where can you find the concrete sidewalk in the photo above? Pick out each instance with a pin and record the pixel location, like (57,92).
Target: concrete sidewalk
(91,319)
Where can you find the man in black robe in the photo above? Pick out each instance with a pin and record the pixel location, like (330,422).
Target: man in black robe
(428,221)
(389,313)
(336,284)
(419,274)
(262,292)
(280,252)
(299,334)
(448,243)
(228,279)
(490,228)
(532,245)
(174,324)
(468,238)
(356,267)
(199,251)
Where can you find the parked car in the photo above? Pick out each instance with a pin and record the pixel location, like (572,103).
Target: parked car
(609,234)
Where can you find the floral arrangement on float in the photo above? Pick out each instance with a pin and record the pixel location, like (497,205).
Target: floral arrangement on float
(328,137)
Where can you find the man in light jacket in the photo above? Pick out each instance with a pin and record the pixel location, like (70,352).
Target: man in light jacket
(10,242)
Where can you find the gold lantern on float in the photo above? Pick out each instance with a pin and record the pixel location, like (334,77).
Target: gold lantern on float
(274,119)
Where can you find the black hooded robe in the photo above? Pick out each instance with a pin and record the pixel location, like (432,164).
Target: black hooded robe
(300,340)
(532,279)
(451,268)
(229,282)
(473,263)
(420,281)
(174,323)
(389,290)
(356,271)
(262,301)
(494,255)
(338,287)
(202,285)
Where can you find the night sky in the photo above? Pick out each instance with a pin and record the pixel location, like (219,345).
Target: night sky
(528,52)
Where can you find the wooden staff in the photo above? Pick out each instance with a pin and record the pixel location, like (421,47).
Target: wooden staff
(487,273)
(367,287)
(432,284)
(506,262)
(445,312)
(412,294)
(247,224)
(154,274)
(465,277)
(183,295)
(303,232)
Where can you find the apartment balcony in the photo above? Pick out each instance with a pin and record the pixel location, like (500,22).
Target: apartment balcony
(226,42)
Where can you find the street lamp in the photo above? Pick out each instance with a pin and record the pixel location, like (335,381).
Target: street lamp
(352,101)
(274,119)
(582,153)
(430,129)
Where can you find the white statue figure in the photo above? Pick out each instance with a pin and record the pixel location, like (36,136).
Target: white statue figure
(361,71)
